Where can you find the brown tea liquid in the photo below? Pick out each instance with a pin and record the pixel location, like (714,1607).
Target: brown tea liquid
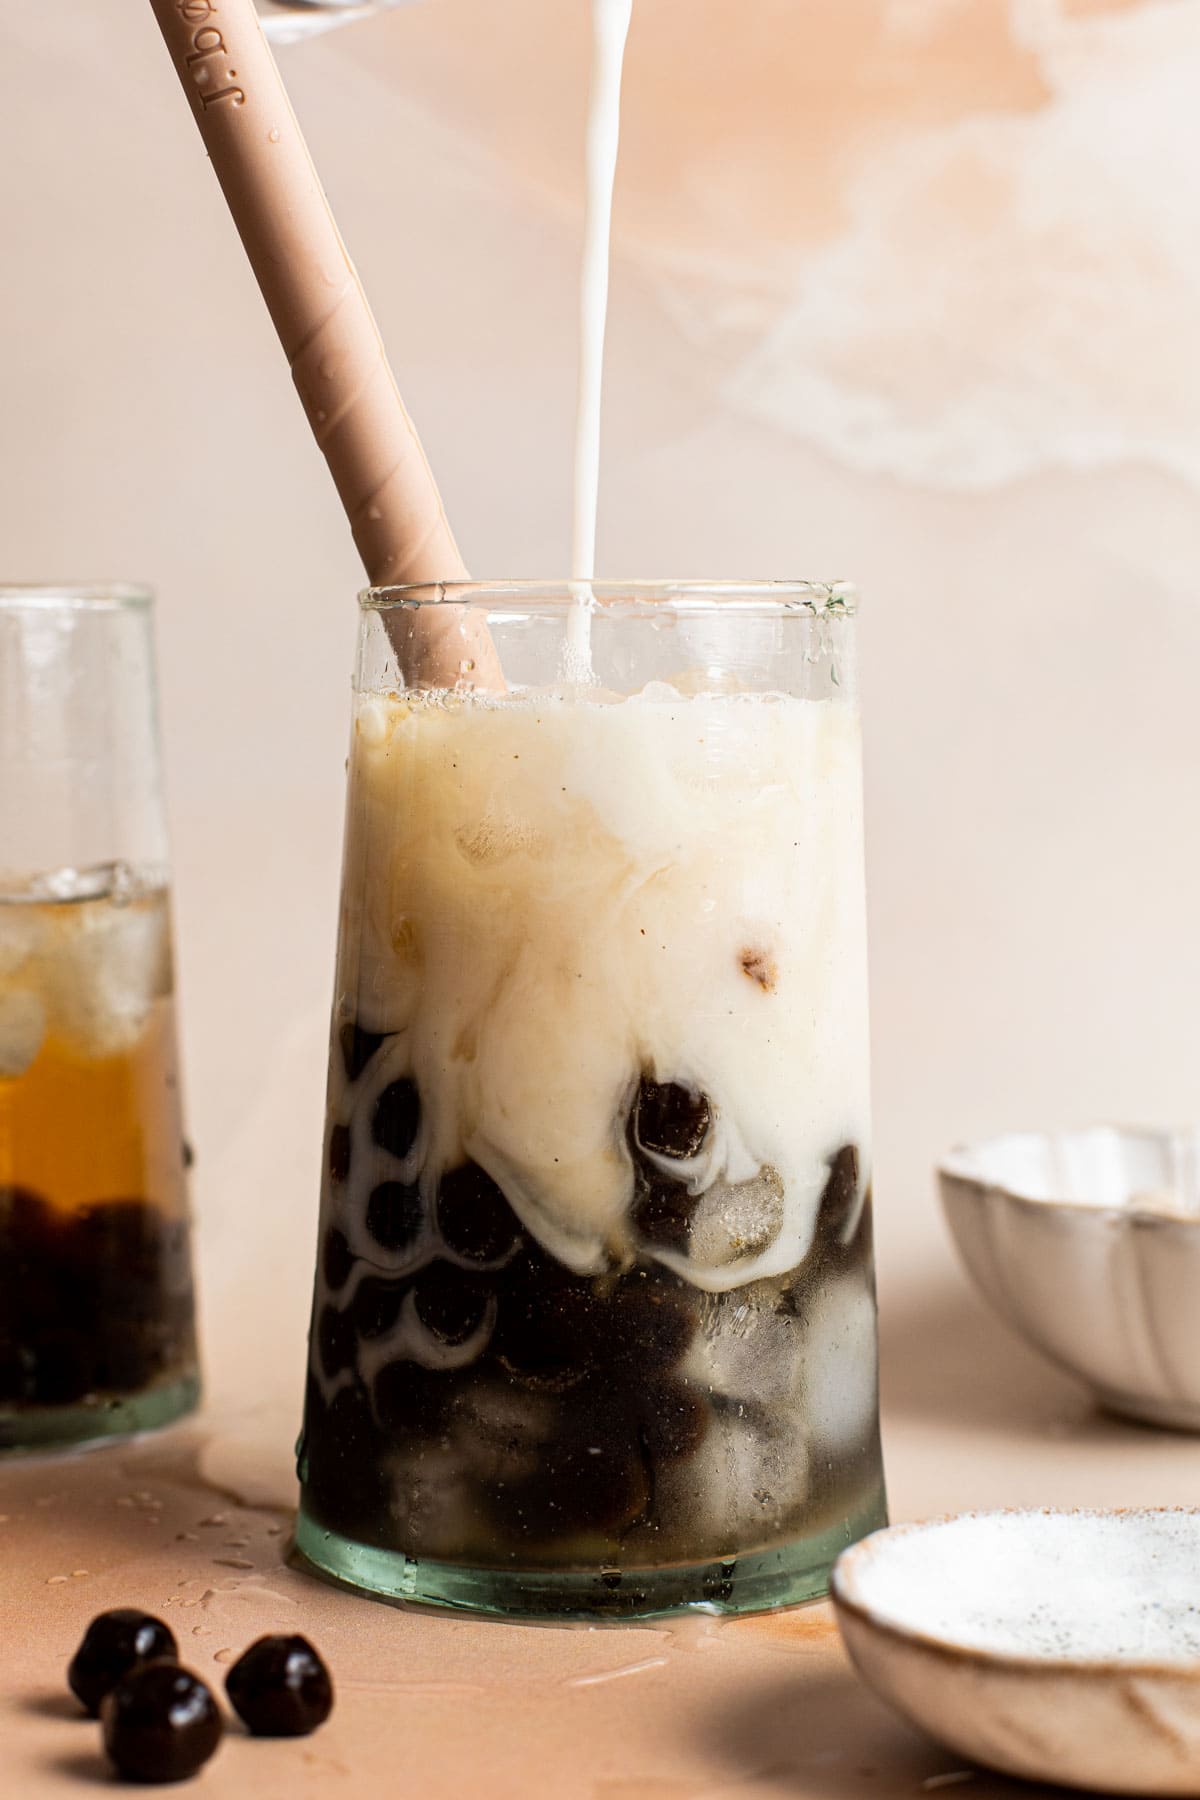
(95,1278)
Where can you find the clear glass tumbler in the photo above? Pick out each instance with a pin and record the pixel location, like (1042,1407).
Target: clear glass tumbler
(594,1321)
(96,1317)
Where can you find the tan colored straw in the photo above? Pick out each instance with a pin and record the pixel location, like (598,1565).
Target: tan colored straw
(324,324)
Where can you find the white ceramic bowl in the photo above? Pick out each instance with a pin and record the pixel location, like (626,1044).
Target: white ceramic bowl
(1083,1242)
(1057,1646)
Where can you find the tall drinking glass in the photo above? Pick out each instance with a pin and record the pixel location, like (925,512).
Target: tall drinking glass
(96,1327)
(594,1321)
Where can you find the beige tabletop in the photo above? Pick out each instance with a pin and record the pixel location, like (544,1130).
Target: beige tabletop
(194,1525)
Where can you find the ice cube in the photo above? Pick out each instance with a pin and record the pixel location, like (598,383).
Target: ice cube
(22,1028)
(19,935)
(840,1368)
(111,973)
(735,1221)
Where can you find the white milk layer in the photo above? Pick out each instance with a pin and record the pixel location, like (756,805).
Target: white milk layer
(549,897)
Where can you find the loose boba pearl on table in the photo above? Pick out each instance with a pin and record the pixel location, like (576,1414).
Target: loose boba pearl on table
(161,1724)
(113,1644)
(280,1688)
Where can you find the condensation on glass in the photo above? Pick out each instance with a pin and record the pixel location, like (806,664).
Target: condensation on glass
(594,1317)
(96,1311)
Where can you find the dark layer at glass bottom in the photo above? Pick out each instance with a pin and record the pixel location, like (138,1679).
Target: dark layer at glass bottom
(622,1422)
(785,1575)
(96,1320)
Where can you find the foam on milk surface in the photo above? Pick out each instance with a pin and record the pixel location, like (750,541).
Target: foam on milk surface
(563,892)
(1078,1586)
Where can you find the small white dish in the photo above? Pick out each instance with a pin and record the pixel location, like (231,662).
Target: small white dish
(1058,1646)
(1089,1244)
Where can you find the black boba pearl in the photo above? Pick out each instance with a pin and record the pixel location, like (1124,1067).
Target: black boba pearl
(450,1304)
(412,1401)
(339,1152)
(662,1212)
(397,1117)
(550,1329)
(335,1341)
(655,1315)
(474,1218)
(113,1644)
(669,1119)
(160,1724)
(395,1214)
(280,1687)
(358,1047)
(674,1421)
(376,1305)
(337,1260)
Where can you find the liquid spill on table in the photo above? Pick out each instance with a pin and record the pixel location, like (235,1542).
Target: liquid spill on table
(194,1525)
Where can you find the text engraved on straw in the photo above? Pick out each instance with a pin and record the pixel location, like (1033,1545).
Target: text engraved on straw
(208,57)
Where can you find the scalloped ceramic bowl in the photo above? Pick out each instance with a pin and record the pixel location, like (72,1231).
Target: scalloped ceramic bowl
(1089,1244)
(1061,1647)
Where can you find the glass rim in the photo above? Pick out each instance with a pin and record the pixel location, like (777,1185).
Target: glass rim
(83,596)
(837,599)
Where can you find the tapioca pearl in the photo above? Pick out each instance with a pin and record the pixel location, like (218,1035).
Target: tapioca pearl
(550,1328)
(335,1341)
(411,1400)
(337,1259)
(396,1118)
(473,1216)
(339,1152)
(662,1212)
(375,1308)
(395,1215)
(673,1420)
(670,1119)
(357,1047)
(655,1316)
(450,1304)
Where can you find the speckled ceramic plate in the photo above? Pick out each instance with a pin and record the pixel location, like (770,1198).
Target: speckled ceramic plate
(1088,1242)
(1058,1646)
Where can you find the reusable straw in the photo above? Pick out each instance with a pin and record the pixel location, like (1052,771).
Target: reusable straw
(325,325)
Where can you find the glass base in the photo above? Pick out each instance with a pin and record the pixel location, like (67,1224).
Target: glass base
(32,1428)
(783,1576)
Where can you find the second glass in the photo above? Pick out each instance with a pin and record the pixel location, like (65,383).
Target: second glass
(594,1321)
(96,1315)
